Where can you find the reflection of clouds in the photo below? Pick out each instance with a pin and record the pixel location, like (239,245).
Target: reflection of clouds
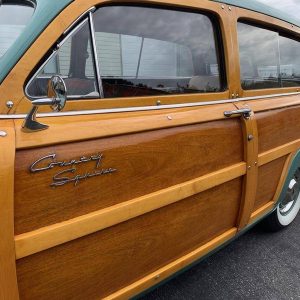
(189,29)
(183,28)
(258,44)
(291,7)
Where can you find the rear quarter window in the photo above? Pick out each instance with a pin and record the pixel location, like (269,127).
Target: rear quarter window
(268,58)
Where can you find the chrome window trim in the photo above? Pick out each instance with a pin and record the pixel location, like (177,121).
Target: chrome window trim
(96,60)
(145,108)
(58,46)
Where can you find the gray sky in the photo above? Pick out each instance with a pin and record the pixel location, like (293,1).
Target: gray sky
(289,6)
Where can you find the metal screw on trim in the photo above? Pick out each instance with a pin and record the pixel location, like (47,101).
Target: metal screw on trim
(249,167)
(157,276)
(250,137)
(222,6)
(229,8)
(9,104)
(158,102)
(232,95)
(3,133)
(255,163)
(169,118)
(237,95)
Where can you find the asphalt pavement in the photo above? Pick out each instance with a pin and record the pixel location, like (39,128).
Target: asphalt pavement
(258,265)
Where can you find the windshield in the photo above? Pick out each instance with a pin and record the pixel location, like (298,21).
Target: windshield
(14,16)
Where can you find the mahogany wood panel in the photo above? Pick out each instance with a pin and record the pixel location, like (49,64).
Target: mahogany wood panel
(66,129)
(166,271)
(102,263)
(145,163)
(268,180)
(278,127)
(56,234)
(8,276)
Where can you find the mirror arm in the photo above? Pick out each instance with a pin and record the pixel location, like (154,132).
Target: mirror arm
(30,123)
(57,89)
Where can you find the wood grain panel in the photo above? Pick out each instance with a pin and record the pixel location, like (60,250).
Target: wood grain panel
(278,127)
(66,129)
(268,180)
(56,234)
(99,264)
(145,163)
(161,274)
(250,135)
(8,276)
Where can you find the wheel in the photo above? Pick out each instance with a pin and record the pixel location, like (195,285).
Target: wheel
(287,209)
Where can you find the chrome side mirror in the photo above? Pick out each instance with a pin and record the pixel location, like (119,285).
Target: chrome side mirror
(57,96)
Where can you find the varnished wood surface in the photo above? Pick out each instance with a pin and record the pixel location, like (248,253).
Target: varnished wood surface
(283,176)
(261,212)
(285,149)
(278,127)
(102,263)
(145,163)
(78,128)
(8,276)
(268,180)
(53,235)
(168,270)
(250,137)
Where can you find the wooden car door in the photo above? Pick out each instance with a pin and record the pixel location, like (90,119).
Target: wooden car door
(110,201)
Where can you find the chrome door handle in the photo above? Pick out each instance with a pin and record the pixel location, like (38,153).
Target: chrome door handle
(245,112)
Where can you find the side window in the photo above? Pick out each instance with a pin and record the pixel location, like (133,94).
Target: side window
(289,61)
(149,51)
(74,61)
(259,57)
(267,58)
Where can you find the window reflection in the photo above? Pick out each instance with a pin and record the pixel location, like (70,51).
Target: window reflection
(151,51)
(289,62)
(259,57)
(73,61)
(267,59)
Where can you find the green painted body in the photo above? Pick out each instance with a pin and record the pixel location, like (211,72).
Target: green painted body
(262,8)
(47,10)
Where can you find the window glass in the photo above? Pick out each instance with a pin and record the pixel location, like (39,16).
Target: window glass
(259,57)
(73,61)
(267,58)
(289,61)
(150,51)
(14,16)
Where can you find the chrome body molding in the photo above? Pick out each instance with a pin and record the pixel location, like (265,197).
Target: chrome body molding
(143,108)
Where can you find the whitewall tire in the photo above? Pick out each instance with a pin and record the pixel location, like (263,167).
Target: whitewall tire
(288,209)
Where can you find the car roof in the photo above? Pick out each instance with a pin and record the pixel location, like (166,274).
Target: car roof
(46,11)
(262,8)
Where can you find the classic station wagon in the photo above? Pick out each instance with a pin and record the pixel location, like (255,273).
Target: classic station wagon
(138,137)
